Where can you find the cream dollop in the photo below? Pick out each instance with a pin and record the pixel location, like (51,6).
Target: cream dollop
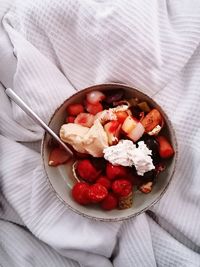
(126,153)
(85,140)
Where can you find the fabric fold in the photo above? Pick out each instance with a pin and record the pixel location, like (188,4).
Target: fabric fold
(63,46)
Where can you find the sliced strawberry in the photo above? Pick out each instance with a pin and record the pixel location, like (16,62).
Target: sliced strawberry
(110,202)
(97,193)
(70,119)
(122,187)
(115,172)
(112,129)
(80,193)
(84,119)
(121,116)
(165,148)
(103,180)
(75,109)
(93,108)
(58,156)
(87,171)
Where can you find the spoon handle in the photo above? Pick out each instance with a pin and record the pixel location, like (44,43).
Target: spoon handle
(35,117)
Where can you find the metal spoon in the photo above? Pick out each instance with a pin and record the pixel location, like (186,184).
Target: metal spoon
(35,117)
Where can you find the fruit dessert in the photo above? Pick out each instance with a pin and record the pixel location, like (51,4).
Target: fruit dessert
(119,145)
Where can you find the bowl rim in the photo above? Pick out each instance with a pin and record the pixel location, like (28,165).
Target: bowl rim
(175,147)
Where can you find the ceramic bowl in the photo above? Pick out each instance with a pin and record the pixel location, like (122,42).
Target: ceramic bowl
(61,178)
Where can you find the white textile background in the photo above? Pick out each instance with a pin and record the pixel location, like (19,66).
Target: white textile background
(49,49)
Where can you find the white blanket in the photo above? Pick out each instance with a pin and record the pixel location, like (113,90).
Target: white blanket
(49,49)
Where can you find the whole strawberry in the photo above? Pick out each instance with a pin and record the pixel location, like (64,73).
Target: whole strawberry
(80,193)
(87,171)
(116,172)
(122,187)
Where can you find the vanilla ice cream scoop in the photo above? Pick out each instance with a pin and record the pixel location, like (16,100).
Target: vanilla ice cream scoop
(72,133)
(85,140)
(95,140)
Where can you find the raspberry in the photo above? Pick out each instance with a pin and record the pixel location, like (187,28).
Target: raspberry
(97,193)
(87,171)
(122,187)
(115,172)
(110,202)
(80,192)
(103,180)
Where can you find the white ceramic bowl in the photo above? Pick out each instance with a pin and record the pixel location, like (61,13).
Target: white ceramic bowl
(61,178)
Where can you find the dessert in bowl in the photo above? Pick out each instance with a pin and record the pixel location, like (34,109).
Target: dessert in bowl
(124,148)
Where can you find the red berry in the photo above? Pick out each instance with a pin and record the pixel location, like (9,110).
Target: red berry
(75,109)
(80,192)
(115,172)
(110,202)
(122,187)
(97,193)
(87,171)
(103,180)
(165,148)
(70,119)
(93,108)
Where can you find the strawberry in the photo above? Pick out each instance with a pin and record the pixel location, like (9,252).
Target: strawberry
(87,171)
(84,119)
(75,109)
(112,129)
(103,180)
(115,172)
(97,193)
(93,108)
(70,119)
(165,148)
(80,193)
(110,202)
(121,116)
(122,187)
(57,156)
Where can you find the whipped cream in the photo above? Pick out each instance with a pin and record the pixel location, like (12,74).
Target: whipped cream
(126,153)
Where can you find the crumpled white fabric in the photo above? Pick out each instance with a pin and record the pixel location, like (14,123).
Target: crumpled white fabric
(63,46)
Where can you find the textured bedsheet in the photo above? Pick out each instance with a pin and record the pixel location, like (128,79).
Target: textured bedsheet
(48,50)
